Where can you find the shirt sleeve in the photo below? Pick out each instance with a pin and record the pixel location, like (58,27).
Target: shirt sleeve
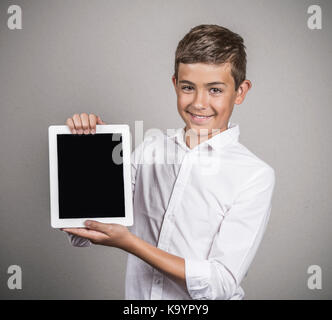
(235,244)
(134,163)
(137,158)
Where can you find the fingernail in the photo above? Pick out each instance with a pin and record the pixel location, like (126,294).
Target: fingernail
(86,131)
(93,131)
(87,223)
(74,131)
(80,131)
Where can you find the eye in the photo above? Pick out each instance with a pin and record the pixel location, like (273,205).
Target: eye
(186,88)
(218,90)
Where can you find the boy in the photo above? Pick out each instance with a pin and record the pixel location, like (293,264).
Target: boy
(194,234)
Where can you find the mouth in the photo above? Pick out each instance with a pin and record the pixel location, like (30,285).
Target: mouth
(197,118)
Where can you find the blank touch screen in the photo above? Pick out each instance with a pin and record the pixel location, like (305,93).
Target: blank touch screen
(90,176)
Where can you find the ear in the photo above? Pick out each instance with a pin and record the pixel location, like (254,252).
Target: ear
(174,82)
(242,91)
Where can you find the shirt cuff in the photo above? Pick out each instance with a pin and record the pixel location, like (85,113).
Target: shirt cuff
(77,241)
(198,274)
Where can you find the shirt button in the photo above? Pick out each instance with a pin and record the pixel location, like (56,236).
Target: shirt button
(157,281)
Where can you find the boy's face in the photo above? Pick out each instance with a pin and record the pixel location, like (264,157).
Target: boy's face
(208,91)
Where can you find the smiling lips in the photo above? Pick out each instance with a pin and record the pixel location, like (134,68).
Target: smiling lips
(199,118)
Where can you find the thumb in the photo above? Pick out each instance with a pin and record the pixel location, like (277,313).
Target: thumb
(97,226)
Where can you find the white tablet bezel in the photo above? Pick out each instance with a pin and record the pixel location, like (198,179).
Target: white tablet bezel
(56,222)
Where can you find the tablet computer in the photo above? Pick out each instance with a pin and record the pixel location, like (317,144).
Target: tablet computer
(90,176)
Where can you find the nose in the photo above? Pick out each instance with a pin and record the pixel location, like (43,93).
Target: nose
(200,100)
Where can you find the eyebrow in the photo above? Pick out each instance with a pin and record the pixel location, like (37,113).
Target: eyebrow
(206,84)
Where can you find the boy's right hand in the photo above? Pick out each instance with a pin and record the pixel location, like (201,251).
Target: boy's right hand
(83,123)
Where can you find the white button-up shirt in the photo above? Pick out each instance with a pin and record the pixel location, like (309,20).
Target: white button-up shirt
(209,205)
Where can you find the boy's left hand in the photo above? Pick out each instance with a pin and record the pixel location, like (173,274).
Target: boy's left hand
(107,234)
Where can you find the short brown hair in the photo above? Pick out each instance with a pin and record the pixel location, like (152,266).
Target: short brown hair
(213,44)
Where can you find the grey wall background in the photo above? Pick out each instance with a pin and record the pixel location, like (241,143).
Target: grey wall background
(115,58)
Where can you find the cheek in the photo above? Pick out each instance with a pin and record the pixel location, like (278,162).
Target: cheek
(218,105)
(183,100)
(221,104)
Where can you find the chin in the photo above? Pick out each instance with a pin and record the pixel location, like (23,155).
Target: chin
(198,128)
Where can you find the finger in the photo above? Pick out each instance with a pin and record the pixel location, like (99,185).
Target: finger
(85,122)
(97,226)
(85,233)
(70,124)
(78,123)
(99,121)
(92,120)
(73,230)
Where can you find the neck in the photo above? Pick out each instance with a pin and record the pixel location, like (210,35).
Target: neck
(193,138)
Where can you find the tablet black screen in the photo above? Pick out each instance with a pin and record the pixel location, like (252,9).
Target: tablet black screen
(90,182)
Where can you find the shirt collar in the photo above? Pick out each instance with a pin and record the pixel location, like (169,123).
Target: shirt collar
(231,134)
